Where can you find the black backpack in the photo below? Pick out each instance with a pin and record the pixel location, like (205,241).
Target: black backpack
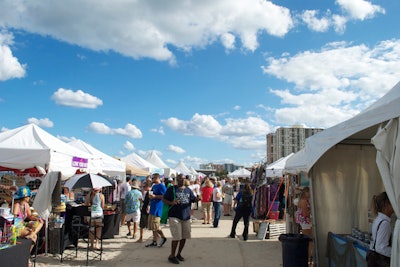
(246,200)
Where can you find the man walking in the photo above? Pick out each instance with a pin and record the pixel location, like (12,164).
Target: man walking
(156,205)
(132,205)
(180,198)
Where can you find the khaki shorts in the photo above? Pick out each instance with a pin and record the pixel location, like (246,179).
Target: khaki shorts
(228,199)
(123,206)
(206,206)
(154,222)
(179,229)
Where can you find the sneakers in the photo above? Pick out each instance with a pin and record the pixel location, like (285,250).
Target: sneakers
(173,260)
(152,244)
(180,258)
(162,242)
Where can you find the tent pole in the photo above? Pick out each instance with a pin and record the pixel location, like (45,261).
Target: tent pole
(315,247)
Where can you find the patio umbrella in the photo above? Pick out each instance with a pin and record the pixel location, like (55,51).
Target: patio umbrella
(87,180)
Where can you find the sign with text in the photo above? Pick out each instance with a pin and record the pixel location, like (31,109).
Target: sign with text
(79,162)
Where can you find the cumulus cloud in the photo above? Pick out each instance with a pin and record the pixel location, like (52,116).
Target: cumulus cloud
(147,29)
(129,146)
(330,82)
(203,125)
(315,23)
(10,67)
(46,122)
(78,99)
(160,130)
(176,149)
(360,9)
(242,133)
(129,130)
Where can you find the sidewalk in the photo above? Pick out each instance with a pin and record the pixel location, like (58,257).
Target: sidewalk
(207,246)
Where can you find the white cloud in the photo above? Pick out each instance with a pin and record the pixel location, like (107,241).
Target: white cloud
(129,146)
(360,9)
(129,130)
(339,23)
(160,130)
(330,84)
(147,29)
(10,67)
(46,122)
(78,99)
(314,23)
(202,125)
(176,149)
(246,133)
(237,107)
(251,126)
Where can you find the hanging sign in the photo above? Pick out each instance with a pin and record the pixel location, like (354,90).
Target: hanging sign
(79,162)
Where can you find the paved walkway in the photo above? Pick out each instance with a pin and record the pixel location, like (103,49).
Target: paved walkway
(208,247)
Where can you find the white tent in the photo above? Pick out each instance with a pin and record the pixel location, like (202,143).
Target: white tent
(137,161)
(275,168)
(30,146)
(153,158)
(341,164)
(111,166)
(240,173)
(182,168)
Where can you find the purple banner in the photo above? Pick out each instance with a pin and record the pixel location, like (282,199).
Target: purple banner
(79,162)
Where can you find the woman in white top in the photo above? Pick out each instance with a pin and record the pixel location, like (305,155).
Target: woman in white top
(380,245)
(217,200)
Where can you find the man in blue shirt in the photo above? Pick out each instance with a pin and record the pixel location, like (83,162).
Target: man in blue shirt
(156,205)
(180,199)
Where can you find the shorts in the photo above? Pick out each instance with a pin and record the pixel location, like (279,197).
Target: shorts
(154,222)
(179,229)
(144,220)
(206,206)
(123,207)
(228,199)
(305,226)
(134,217)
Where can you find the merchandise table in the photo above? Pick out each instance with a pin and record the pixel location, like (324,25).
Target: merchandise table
(343,250)
(17,255)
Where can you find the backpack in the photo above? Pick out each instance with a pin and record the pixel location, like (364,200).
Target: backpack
(246,200)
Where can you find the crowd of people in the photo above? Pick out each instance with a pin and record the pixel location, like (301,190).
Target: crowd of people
(171,201)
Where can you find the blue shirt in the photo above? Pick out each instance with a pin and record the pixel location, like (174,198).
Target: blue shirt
(156,205)
(132,201)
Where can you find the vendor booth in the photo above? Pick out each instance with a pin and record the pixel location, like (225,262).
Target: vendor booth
(341,163)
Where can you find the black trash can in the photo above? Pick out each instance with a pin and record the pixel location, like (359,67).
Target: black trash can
(294,250)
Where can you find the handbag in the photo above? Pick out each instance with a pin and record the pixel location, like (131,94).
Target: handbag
(375,259)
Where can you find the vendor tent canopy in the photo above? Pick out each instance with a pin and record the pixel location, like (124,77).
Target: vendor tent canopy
(156,160)
(341,165)
(132,170)
(275,168)
(153,158)
(240,173)
(182,168)
(111,166)
(139,162)
(30,146)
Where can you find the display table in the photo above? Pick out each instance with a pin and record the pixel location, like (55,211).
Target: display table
(342,250)
(17,255)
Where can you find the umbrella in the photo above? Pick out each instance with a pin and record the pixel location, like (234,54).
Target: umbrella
(88,180)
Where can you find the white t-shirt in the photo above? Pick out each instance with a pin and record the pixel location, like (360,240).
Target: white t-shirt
(125,187)
(215,191)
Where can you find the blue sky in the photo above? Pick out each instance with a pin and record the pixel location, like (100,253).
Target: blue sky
(198,81)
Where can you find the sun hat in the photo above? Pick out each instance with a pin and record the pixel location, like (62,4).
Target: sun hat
(22,192)
(135,184)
